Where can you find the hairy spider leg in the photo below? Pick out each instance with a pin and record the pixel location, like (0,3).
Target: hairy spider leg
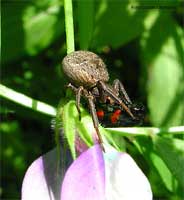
(95,118)
(78,92)
(109,91)
(118,86)
(78,98)
(92,108)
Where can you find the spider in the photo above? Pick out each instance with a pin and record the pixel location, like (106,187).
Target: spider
(89,78)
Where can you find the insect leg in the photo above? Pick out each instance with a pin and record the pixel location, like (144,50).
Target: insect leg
(95,119)
(112,94)
(118,86)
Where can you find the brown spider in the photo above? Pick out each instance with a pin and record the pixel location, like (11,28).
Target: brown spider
(88,76)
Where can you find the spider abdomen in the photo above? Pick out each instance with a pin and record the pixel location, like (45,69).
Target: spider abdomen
(85,68)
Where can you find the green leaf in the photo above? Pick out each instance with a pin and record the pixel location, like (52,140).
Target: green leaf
(162,56)
(117,23)
(42,28)
(29,27)
(73,126)
(161,172)
(172,153)
(69,118)
(85,128)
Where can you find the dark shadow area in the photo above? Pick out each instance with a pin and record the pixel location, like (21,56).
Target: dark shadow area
(21,144)
(12,30)
(55,165)
(12,38)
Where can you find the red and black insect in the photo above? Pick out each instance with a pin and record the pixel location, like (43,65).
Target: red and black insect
(112,115)
(89,78)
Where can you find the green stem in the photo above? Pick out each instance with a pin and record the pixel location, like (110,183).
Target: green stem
(69,26)
(26,101)
(138,131)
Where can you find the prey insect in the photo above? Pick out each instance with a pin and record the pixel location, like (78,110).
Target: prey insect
(89,78)
(112,115)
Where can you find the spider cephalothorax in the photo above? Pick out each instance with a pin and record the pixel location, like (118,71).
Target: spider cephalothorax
(88,77)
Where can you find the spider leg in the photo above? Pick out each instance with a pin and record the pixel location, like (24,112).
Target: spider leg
(78,92)
(102,95)
(78,98)
(112,94)
(95,118)
(72,87)
(118,86)
(89,96)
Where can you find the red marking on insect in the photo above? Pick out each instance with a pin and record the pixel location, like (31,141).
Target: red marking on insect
(115,116)
(100,114)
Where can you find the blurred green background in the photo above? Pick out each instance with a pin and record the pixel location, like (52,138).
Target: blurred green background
(140,41)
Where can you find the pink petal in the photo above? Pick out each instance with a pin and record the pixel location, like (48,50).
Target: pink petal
(85,178)
(43,179)
(124,179)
